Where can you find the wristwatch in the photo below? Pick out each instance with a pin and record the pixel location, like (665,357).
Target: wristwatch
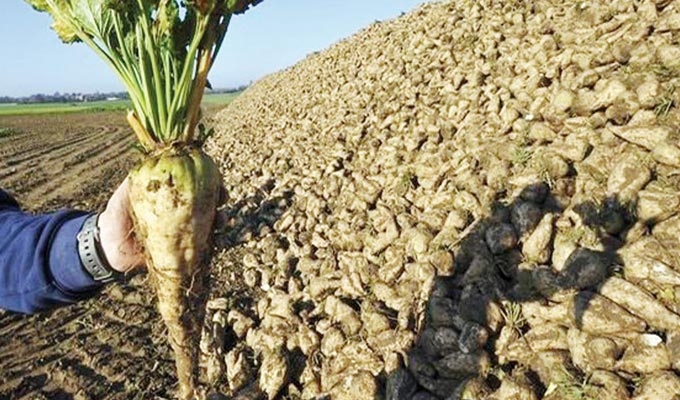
(91,254)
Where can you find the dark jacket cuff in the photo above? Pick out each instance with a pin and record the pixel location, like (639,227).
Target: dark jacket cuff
(64,261)
(7,201)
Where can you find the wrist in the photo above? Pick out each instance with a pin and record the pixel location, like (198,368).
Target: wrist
(92,255)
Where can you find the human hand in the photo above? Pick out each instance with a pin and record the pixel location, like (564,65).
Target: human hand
(116,231)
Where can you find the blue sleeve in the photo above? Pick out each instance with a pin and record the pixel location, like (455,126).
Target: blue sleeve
(39,263)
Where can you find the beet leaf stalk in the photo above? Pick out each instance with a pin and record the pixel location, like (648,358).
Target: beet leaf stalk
(162,50)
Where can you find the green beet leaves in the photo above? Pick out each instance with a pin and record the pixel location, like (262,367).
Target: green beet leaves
(162,50)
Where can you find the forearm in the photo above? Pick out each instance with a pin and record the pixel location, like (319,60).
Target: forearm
(39,263)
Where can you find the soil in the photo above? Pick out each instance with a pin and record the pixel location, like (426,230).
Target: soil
(58,160)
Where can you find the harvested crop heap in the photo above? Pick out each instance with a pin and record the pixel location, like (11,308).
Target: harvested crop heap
(479,198)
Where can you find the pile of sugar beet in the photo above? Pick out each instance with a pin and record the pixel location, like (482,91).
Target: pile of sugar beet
(477,200)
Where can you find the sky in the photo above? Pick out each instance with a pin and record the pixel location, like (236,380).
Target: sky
(270,37)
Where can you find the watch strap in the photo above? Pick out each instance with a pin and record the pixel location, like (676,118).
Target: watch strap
(91,253)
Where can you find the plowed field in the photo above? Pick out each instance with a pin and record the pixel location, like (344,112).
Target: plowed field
(55,160)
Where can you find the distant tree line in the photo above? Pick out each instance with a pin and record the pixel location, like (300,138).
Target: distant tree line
(86,97)
(64,98)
